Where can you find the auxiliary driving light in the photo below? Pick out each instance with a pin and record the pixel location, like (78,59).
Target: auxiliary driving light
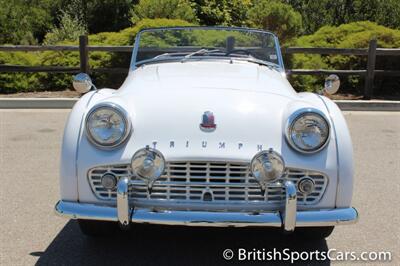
(306,185)
(108,181)
(148,164)
(267,167)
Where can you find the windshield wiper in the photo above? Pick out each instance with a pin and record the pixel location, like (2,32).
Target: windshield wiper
(260,62)
(168,55)
(201,52)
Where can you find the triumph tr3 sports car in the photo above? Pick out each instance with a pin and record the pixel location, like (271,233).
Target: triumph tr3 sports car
(206,131)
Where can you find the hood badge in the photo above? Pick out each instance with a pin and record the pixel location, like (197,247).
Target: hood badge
(207,122)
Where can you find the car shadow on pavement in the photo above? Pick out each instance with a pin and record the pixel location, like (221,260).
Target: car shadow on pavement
(163,245)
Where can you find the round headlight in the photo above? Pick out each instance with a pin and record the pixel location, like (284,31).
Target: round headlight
(308,131)
(107,125)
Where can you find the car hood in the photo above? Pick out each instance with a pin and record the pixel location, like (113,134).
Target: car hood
(166,110)
(237,75)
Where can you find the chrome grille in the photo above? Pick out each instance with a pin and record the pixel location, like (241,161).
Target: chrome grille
(225,182)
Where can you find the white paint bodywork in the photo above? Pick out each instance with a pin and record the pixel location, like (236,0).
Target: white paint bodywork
(165,103)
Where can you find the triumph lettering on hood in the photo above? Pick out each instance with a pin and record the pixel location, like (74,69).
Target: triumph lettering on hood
(205,144)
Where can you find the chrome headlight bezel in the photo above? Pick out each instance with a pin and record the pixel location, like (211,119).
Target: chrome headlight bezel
(293,118)
(125,118)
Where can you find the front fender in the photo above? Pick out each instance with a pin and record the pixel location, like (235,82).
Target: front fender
(72,135)
(345,164)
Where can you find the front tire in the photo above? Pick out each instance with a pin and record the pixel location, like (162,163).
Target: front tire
(93,228)
(314,232)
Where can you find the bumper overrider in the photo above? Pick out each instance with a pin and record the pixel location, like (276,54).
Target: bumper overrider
(288,217)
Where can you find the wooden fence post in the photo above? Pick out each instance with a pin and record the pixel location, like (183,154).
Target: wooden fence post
(369,78)
(84,54)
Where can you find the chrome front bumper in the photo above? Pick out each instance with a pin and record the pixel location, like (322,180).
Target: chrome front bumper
(288,218)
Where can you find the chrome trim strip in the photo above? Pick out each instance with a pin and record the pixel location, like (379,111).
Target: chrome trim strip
(207,28)
(289,218)
(279,52)
(123,209)
(326,217)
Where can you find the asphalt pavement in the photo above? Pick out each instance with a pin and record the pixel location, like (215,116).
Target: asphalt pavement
(30,232)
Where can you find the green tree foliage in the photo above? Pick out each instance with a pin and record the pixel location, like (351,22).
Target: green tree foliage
(107,15)
(352,35)
(277,17)
(16,82)
(22,23)
(27,22)
(222,12)
(14,31)
(70,28)
(171,9)
(327,12)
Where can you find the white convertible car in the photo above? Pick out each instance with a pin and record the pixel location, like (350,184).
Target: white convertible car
(206,131)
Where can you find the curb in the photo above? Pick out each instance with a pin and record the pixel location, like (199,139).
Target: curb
(371,105)
(37,103)
(68,103)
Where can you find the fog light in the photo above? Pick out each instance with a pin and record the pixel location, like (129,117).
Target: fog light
(306,185)
(108,181)
(148,164)
(267,167)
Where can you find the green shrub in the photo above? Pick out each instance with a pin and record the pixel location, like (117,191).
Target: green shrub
(352,35)
(16,82)
(13,82)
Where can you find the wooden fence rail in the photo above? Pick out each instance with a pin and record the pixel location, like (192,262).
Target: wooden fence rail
(84,48)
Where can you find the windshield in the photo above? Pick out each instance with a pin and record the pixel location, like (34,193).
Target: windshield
(199,43)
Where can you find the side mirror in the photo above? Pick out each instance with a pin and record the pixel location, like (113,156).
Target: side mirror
(82,83)
(332,84)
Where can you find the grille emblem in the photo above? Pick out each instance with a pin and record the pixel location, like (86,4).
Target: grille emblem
(207,122)
(207,196)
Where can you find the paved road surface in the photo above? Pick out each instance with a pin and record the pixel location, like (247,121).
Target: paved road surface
(31,233)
